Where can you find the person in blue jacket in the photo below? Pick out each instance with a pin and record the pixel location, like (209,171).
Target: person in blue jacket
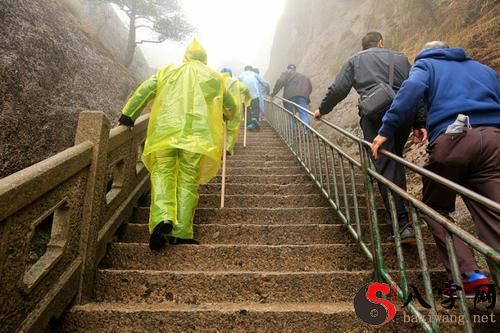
(264,90)
(453,84)
(249,77)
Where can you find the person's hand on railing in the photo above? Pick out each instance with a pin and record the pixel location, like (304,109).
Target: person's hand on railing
(377,142)
(420,136)
(317,115)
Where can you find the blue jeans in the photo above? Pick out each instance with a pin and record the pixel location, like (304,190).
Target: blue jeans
(303,102)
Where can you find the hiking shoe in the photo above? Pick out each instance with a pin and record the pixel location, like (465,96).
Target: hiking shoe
(181,241)
(255,123)
(475,283)
(158,237)
(407,235)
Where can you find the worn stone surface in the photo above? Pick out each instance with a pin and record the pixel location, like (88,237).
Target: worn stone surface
(264,201)
(265,179)
(336,317)
(257,215)
(66,195)
(261,163)
(280,234)
(123,286)
(17,258)
(243,170)
(50,70)
(260,189)
(275,259)
(303,258)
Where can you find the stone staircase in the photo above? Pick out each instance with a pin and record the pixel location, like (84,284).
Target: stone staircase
(276,259)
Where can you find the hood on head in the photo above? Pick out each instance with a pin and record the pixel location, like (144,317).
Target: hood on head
(195,51)
(454,54)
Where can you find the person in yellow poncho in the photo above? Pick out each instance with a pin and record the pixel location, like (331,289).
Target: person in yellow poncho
(184,141)
(240,92)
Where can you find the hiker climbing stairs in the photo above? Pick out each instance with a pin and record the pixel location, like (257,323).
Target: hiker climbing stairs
(275,259)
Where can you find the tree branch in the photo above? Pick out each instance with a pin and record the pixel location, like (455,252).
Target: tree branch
(149,41)
(147,18)
(145,26)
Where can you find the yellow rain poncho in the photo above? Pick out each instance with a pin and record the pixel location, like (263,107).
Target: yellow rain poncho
(184,141)
(241,94)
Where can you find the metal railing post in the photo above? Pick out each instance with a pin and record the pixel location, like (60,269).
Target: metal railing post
(245,128)
(372,215)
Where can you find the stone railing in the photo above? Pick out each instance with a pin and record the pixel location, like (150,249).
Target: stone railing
(57,217)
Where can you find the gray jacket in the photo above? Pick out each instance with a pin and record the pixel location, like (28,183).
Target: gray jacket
(294,84)
(364,71)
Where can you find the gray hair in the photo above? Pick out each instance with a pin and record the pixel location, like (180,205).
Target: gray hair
(436,44)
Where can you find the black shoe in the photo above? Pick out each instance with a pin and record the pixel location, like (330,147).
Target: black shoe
(180,241)
(158,238)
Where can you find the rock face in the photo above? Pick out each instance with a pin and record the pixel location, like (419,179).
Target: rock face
(319,36)
(103,22)
(50,70)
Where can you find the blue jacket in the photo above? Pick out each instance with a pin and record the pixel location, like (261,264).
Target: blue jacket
(250,79)
(450,83)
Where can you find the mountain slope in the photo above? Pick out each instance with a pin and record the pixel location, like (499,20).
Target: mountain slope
(50,70)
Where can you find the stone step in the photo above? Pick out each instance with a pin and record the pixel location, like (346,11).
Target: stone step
(274,201)
(134,286)
(259,216)
(256,142)
(310,215)
(262,145)
(256,258)
(262,158)
(262,148)
(271,171)
(252,135)
(260,140)
(276,189)
(338,317)
(301,178)
(266,179)
(261,163)
(280,155)
(285,234)
(263,201)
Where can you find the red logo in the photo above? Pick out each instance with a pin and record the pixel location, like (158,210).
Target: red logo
(371,308)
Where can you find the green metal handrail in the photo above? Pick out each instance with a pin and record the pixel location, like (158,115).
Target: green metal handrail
(325,162)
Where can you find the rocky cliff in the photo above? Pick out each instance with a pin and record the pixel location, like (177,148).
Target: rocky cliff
(319,36)
(103,23)
(50,70)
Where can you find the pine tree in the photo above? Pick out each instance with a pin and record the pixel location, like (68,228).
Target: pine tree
(163,17)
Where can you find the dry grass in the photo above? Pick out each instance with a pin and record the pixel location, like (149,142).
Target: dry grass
(470,24)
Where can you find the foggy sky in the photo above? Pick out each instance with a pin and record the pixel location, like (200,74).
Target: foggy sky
(235,33)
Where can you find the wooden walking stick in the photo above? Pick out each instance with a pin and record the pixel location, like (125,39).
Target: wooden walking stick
(245,129)
(224,157)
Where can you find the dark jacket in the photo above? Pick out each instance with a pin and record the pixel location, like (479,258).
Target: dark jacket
(451,83)
(364,71)
(295,85)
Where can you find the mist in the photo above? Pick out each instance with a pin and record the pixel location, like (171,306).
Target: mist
(234,33)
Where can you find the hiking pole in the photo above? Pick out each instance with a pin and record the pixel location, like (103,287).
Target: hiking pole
(245,128)
(224,156)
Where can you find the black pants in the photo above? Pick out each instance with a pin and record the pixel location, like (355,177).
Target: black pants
(389,168)
(471,159)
